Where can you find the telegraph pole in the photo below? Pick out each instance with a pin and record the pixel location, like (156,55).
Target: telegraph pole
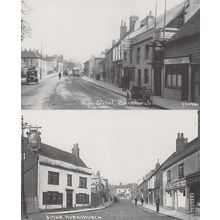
(165,11)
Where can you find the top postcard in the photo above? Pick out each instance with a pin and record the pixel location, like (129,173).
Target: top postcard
(110,54)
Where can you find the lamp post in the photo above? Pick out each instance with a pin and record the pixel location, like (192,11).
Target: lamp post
(24,126)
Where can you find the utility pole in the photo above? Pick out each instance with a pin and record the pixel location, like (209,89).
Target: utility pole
(165,11)
(41,61)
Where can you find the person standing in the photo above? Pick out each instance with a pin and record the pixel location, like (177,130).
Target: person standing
(157,203)
(136,201)
(59,75)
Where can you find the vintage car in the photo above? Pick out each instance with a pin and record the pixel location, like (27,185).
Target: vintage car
(32,76)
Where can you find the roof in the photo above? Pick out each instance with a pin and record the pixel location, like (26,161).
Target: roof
(58,154)
(30,54)
(171,14)
(190,28)
(190,148)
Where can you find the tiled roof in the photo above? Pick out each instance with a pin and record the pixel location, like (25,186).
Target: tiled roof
(30,54)
(58,154)
(190,148)
(190,28)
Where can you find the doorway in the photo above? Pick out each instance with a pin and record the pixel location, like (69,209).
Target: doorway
(139,77)
(157,81)
(69,198)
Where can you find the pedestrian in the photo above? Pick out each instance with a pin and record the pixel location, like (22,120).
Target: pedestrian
(142,200)
(157,203)
(136,201)
(59,75)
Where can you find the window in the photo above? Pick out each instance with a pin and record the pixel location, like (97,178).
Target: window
(168,176)
(146,76)
(181,170)
(82,198)
(53,178)
(138,55)
(131,52)
(69,180)
(52,198)
(125,56)
(173,80)
(82,182)
(146,52)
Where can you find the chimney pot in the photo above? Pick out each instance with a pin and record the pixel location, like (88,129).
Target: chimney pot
(75,150)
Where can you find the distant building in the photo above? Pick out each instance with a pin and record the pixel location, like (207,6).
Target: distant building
(55,179)
(32,59)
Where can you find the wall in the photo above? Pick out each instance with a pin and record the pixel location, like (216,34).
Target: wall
(44,186)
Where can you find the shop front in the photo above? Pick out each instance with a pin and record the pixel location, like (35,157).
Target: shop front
(176,196)
(193,183)
(177,78)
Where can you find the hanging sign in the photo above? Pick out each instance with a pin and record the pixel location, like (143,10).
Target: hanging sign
(34,140)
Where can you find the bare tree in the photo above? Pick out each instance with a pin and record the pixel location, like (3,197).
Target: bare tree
(25,26)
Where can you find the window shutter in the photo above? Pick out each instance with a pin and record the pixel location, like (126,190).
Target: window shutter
(45,198)
(60,198)
(77,198)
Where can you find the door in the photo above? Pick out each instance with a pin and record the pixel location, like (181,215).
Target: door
(139,77)
(157,81)
(184,70)
(69,199)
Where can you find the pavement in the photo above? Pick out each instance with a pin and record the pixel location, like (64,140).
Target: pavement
(171,213)
(157,100)
(123,210)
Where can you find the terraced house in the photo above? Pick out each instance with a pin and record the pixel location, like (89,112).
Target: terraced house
(55,179)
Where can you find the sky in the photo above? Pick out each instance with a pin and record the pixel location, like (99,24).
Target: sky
(79,28)
(122,145)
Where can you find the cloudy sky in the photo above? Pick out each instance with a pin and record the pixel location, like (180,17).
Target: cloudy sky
(79,28)
(123,145)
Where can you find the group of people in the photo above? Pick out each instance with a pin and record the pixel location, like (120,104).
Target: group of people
(142,202)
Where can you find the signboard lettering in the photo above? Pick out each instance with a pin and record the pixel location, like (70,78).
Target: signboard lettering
(179,60)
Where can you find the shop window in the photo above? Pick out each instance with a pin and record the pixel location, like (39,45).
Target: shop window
(146,76)
(179,80)
(181,170)
(53,178)
(52,198)
(82,198)
(168,176)
(174,83)
(69,180)
(82,182)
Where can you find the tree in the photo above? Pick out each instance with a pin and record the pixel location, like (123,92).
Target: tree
(25,26)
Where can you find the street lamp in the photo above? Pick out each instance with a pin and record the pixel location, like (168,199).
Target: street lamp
(25,126)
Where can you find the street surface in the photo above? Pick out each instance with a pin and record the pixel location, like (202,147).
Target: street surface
(71,93)
(124,210)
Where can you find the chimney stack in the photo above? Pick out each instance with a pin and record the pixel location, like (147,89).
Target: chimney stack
(157,166)
(132,20)
(123,30)
(180,142)
(75,149)
(149,19)
(98,173)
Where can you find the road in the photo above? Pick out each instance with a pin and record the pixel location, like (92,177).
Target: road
(124,210)
(70,93)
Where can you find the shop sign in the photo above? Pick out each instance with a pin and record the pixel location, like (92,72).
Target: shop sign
(191,202)
(34,140)
(178,60)
(194,179)
(176,184)
(126,44)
